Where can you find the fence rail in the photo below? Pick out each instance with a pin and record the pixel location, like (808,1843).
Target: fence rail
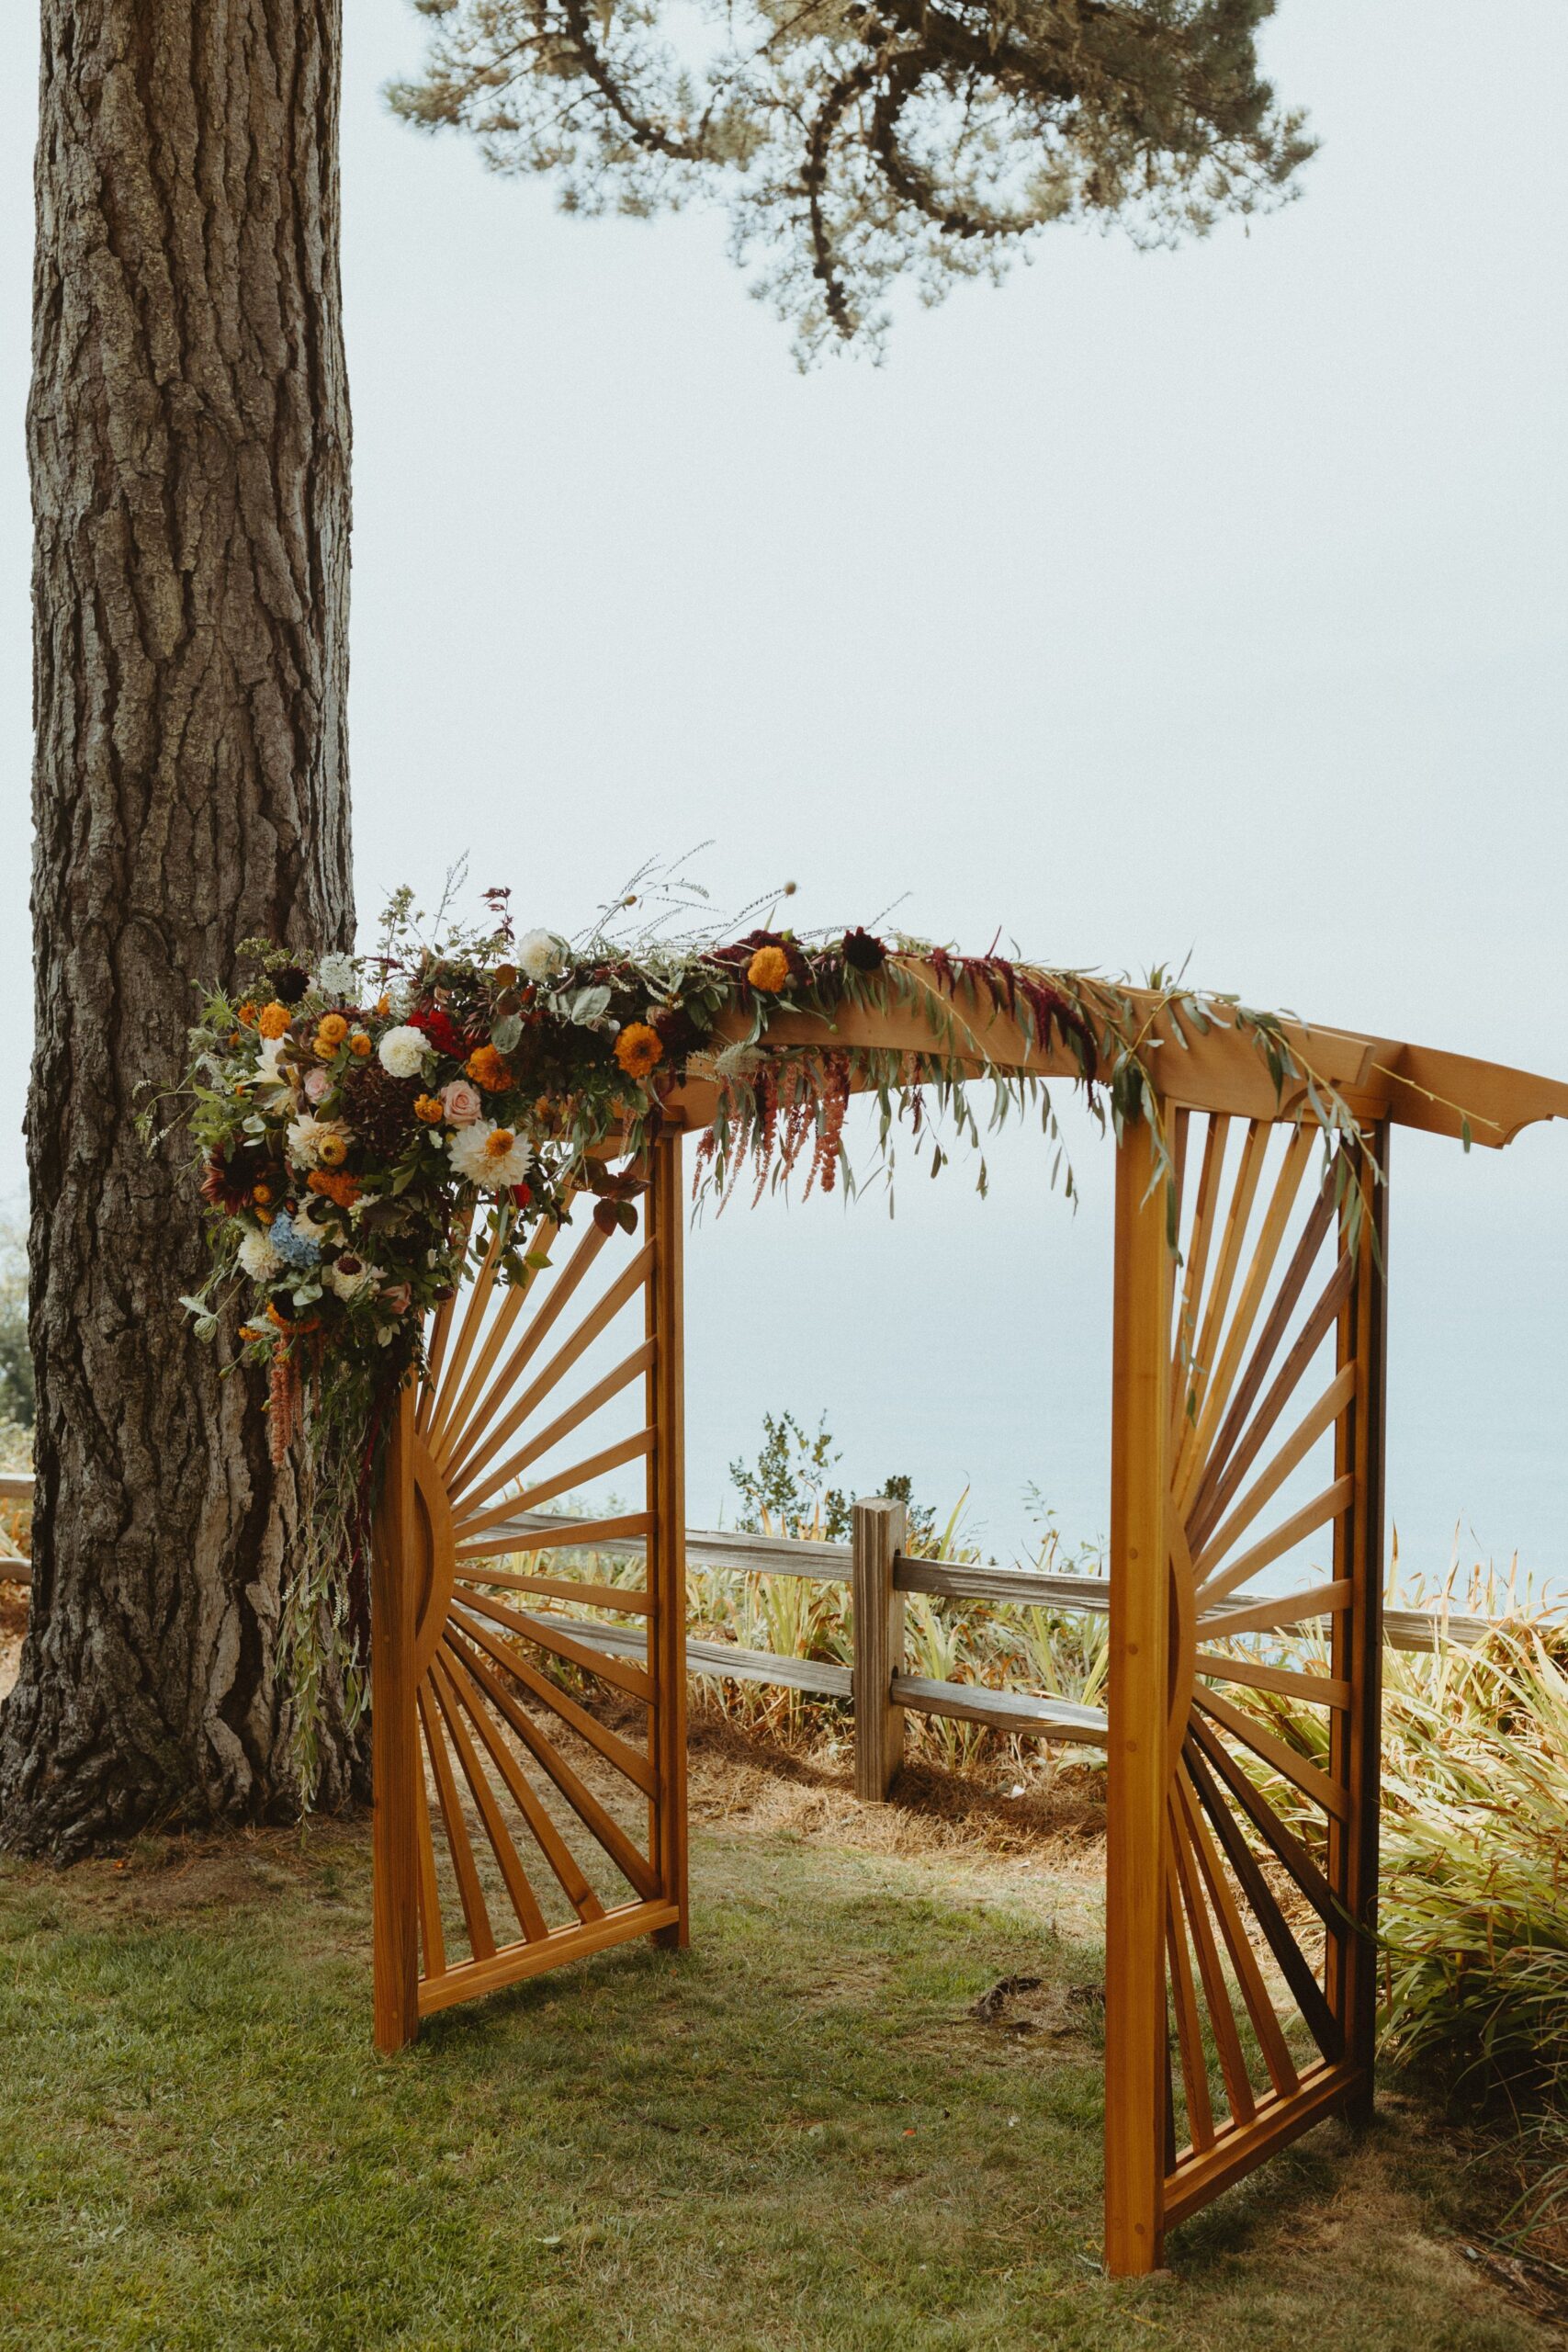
(881,1573)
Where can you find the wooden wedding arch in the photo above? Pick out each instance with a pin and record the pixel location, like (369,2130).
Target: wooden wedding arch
(1248,1429)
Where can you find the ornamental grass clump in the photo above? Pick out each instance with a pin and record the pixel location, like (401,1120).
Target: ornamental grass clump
(1474,1880)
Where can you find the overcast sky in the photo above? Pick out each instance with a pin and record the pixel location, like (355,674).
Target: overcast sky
(1209,601)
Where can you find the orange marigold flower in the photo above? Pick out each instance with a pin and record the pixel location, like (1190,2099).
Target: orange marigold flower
(331,1150)
(334,1186)
(246,1017)
(383,1006)
(359,1043)
(769,970)
(273,1020)
(490,1069)
(332,1029)
(428,1108)
(235,1037)
(506,975)
(638,1048)
(261,1194)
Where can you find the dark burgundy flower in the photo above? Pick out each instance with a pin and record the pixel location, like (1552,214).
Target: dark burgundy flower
(228,1184)
(443,1032)
(290,984)
(863,952)
(676,1031)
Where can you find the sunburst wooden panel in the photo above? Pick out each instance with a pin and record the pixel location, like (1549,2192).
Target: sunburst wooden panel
(530,1781)
(1249,1490)
(1272,1382)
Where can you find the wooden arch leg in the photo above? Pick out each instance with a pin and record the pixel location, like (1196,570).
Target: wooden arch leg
(1137,2093)
(394,1743)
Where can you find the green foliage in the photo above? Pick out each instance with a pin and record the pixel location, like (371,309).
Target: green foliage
(785,1492)
(858,143)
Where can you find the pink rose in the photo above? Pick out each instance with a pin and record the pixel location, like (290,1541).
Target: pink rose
(318,1085)
(399,1296)
(461,1103)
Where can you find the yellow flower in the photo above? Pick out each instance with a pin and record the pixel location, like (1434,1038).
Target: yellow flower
(332,1029)
(638,1048)
(273,1020)
(769,970)
(331,1150)
(490,1069)
(498,1144)
(325,1049)
(428,1108)
(359,1043)
(383,1006)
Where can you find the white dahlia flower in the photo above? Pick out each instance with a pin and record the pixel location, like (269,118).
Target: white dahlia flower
(490,1156)
(259,1258)
(402,1052)
(539,955)
(271,1070)
(305,1136)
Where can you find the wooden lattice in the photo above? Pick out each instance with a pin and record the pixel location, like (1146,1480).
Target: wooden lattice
(1243,1866)
(530,1785)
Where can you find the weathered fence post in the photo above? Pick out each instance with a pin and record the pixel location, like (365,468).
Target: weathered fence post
(877,1538)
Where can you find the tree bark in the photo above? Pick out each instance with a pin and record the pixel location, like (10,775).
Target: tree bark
(188,441)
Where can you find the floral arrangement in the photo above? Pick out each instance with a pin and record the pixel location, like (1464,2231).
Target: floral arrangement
(361,1123)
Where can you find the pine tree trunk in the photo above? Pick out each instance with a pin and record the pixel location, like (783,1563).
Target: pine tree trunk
(188,441)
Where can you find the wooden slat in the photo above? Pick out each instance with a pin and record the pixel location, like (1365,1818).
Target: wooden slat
(1321,1690)
(630,1761)
(627,1923)
(1005,1710)
(524,1901)
(514,1296)
(440,1330)
(1260,1267)
(552,1633)
(1277,1542)
(1216,1992)
(1183,1353)
(567,1536)
(1236,1448)
(482,1938)
(1281,1841)
(1239,2148)
(1285,1609)
(632,1600)
(610,1385)
(593,1465)
(1308,1777)
(475,1307)
(601,1315)
(459,1459)
(551,1844)
(1293,1962)
(432,1941)
(1253,1145)
(1244,1960)
(1188,2028)
(1313,1424)
(634,1867)
(727,1661)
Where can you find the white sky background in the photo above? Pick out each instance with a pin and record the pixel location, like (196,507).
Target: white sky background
(1206,600)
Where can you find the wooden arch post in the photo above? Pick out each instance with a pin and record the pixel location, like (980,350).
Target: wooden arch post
(1279,1290)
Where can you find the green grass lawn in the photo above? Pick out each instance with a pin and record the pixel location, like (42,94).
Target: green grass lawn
(796,2135)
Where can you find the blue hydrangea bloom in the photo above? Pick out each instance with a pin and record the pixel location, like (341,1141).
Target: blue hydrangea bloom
(295,1249)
